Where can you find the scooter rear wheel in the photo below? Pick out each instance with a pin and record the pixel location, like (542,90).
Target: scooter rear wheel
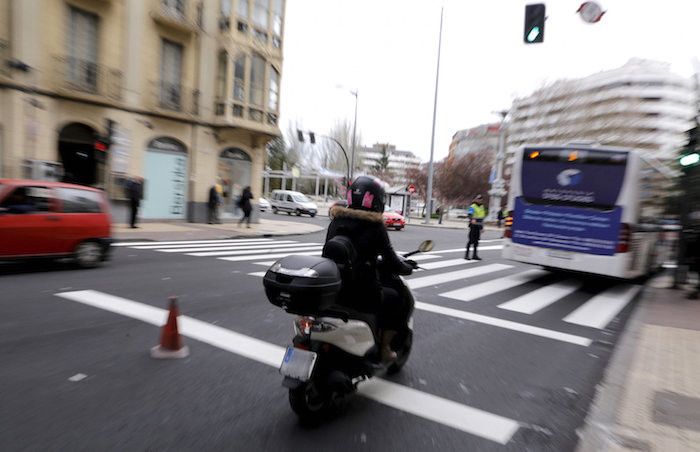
(308,403)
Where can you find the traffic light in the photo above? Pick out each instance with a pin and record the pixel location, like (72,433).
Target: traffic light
(312,137)
(534,23)
(691,156)
(690,159)
(300,136)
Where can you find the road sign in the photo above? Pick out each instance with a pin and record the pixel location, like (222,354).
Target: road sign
(411,189)
(590,12)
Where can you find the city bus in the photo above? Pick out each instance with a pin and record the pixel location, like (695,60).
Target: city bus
(583,208)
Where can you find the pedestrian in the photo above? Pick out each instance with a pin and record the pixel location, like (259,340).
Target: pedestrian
(220,192)
(476,214)
(245,206)
(693,258)
(134,192)
(499,217)
(213,205)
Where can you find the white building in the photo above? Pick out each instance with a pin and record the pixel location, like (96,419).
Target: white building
(479,139)
(399,162)
(641,105)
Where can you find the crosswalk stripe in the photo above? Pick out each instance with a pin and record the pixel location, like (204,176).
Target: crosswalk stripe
(237,247)
(463,249)
(192,245)
(447,263)
(541,298)
(462,417)
(507,324)
(270,256)
(260,253)
(264,263)
(416,283)
(602,308)
(185,242)
(424,257)
(495,285)
(259,274)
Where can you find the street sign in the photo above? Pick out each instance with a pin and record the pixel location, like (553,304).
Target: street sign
(411,189)
(590,12)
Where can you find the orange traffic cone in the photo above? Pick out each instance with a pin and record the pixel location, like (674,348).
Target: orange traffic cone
(170,341)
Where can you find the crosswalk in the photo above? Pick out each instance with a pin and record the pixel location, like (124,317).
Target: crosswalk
(454,280)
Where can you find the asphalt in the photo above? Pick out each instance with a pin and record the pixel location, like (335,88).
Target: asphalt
(218,400)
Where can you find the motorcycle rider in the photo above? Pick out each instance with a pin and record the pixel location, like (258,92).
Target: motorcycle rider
(363,224)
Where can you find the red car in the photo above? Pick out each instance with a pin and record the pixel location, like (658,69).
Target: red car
(393,219)
(53,219)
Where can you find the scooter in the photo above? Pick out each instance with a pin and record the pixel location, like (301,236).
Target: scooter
(334,347)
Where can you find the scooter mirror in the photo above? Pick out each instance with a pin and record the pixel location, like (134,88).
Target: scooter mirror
(426,246)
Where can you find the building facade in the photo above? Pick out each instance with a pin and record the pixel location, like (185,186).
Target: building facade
(179,92)
(479,139)
(641,105)
(385,158)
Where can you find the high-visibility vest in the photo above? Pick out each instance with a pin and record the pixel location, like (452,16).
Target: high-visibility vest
(478,212)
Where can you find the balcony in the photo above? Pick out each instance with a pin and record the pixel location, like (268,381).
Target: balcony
(173,97)
(178,15)
(75,75)
(236,113)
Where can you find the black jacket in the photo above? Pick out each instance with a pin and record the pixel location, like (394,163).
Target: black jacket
(244,202)
(368,234)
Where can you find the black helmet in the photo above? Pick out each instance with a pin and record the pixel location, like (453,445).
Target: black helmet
(366,193)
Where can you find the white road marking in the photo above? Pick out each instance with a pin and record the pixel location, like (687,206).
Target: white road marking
(271,256)
(424,257)
(507,324)
(77,377)
(433,280)
(199,245)
(185,242)
(258,252)
(265,263)
(447,412)
(541,298)
(447,263)
(236,247)
(463,249)
(258,274)
(602,308)
(490,287)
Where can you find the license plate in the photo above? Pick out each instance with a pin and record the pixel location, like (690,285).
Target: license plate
(560,254)
(298,364)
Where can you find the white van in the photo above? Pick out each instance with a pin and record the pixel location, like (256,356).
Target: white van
(292,202)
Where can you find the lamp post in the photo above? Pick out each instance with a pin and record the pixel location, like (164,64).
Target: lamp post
(354,92)
(429,198)
(498,184)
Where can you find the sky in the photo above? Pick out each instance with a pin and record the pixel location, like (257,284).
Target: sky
(387,51)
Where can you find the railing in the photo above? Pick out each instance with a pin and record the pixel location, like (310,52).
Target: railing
(76,74)
(178,14)
(173,97)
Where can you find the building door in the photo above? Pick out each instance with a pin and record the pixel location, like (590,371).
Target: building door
(82,164)
(235,167)
(165,184)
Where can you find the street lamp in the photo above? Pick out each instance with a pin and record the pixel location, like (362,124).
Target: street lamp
(429,197)
(354,92)
(498,185)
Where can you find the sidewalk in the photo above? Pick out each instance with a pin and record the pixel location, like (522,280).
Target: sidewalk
(448,224)
(180,230)
(649,399)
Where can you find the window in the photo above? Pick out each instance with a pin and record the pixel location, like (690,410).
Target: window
(257,80)
(82,49)
(226,8)
(242,27)
(289,198)
(171,75)
(27,200)
(260,13)
(273,93)
(277,15)
(74,200)
(221,75)
(260,36)
(242,9)
(239,79)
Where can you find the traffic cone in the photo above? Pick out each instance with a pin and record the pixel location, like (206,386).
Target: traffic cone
(170,341)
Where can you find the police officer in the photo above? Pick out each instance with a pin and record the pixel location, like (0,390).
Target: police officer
(476,214)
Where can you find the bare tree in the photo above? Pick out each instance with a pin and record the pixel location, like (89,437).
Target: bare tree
(459,179)
(381,168)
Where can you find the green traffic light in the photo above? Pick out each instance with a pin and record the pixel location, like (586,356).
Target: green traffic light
(690,159)
(534,33)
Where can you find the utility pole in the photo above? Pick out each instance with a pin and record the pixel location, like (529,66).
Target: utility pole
(498,185)
(354,130)
(429,198)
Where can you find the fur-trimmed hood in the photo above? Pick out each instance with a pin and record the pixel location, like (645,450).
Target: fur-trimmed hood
(364,215)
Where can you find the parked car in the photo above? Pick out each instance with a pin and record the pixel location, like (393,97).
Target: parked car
(263,205)
(53,219)
(292,202)
(393,219)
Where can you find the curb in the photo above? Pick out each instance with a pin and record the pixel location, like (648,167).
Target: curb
(600,430)
(231,237)
(459,228)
